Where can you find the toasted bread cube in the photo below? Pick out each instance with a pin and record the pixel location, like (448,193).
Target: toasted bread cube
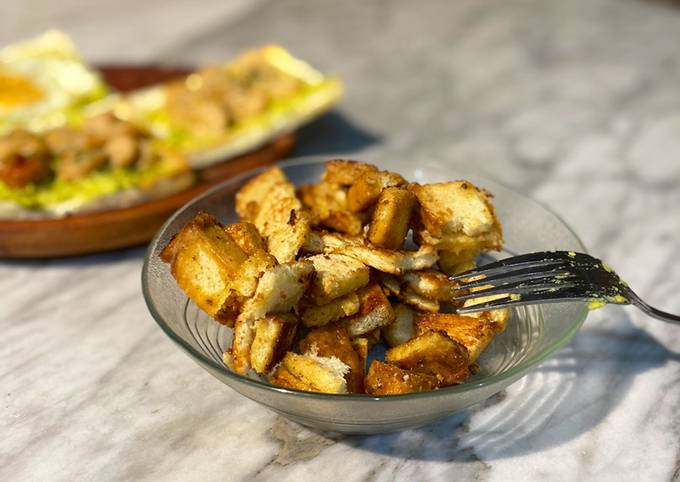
(333,341)
(246,236)
(344,222)
(474,333)
(362,346)
(402,329)
(269,202)
(364,192)
(273,338)
(391,218)
(386,379)
(433,353)
(278,291)
(323,198)
(286,226)
(203,260)
(497,318)
(328,205)
(252,194)
(375,311)
(243,285)
(419,302)
(385,260)
(311,373)
(332,311)
(430,284)
(336,275)
(453,263)
(457,217)
(345,172)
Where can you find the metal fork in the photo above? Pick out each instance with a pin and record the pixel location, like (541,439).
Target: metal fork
(547,277)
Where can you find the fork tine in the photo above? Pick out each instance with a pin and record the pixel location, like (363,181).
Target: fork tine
(520,287)
(521,261)
(524,274)
(543,296)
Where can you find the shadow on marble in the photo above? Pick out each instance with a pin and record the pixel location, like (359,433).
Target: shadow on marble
(333,133)
(564,398)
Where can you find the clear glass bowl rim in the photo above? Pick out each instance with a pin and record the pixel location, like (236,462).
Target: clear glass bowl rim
(517,370)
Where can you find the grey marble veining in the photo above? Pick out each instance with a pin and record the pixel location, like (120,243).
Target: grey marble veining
(576,103)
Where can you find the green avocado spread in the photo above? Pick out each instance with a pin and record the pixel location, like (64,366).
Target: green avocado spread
(96,184)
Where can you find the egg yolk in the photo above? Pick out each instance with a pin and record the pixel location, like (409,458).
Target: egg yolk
(18,91)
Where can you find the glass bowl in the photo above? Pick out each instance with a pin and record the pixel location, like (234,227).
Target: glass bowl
(532,334)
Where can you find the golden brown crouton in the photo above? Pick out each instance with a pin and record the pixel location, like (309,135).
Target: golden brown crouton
(311,373)
(286,226)
(398,287)
(430,284)
(402,328)
(473,333)
(386,379)
(203,260)
(375,311)
(498,318)
(246,236)
(457,217)
(332,311)
(345,172)
(252,194)
(433,353)
(391,218)
(385,260)
(336,275)
(333,341)
(242,286)
(453,263)
(327,203)
(278,291)
(364,192)
(419,302)
(269,202)
(273,337)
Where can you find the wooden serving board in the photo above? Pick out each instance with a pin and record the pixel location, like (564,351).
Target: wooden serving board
(121,228)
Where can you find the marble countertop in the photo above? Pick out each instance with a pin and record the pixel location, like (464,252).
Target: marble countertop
(576,103)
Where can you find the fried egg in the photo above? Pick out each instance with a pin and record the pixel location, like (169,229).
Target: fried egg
(44,83)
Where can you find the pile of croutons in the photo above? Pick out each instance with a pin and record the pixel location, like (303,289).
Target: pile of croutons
(312,279)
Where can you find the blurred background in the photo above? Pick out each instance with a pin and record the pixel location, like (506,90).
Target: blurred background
(575,103)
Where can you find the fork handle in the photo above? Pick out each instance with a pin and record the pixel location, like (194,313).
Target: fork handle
(653,312)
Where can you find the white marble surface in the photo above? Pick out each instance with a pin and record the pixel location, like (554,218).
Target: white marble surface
(576,103)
